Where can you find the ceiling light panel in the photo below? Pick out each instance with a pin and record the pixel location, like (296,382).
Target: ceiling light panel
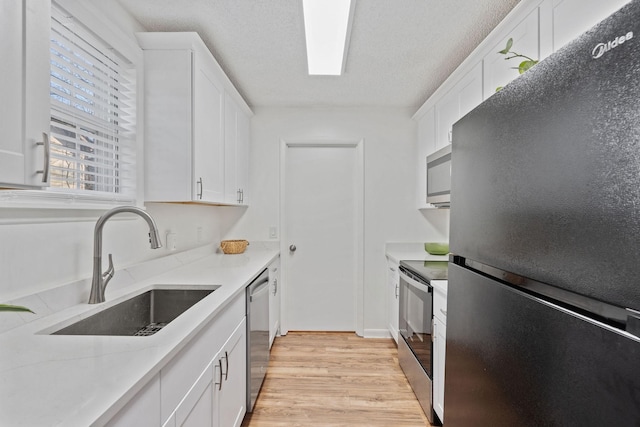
(327,24)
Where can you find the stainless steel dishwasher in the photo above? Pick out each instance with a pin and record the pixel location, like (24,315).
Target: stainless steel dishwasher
(257,335)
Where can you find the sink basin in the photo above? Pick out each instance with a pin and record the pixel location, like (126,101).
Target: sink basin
(140,315)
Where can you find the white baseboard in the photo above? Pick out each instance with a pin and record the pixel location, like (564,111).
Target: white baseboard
(377,333)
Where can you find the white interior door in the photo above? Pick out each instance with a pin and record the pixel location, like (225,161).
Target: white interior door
(323,221)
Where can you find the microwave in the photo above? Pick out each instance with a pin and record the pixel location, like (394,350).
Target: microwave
(439,177)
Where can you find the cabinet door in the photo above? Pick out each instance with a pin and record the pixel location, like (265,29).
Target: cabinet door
(393,302)
(231,188)
(426,146)
(208,152)
(438,367)
(499,72)
(447,113)
(25,108)
(274,300)
(232,394)
(168,81)
(196,408)
(461,99)
(143,409)
(242,156)
(236,137)
(573,17)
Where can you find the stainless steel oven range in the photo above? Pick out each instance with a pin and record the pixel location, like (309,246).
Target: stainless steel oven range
(415,343)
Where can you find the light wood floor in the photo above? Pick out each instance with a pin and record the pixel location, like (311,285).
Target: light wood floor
(335,379)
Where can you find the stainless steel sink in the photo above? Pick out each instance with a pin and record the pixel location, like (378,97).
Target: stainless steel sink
(141,315)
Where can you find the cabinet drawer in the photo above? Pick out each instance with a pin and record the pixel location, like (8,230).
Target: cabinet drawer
(440,300)
(182,372)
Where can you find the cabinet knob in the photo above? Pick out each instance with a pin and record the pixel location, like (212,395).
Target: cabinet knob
(292,248)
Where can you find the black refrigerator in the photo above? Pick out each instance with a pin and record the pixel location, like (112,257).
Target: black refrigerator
(543,325)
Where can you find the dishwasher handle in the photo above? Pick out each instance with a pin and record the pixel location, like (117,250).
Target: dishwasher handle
(258,287)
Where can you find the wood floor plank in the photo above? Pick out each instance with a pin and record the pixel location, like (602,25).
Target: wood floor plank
(332,379)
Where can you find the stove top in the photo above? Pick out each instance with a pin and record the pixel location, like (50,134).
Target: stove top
(428,270)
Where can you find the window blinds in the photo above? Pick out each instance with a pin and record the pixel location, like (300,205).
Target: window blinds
(92,112)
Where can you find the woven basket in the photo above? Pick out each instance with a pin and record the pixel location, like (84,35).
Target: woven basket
(233,246)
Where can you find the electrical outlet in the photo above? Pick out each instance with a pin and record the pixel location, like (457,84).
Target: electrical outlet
(171,241)
(273,232)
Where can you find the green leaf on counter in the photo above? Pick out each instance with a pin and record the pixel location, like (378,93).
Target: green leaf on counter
(8,307)
(499,88)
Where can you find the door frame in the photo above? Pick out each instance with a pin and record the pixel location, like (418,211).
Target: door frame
(359,244)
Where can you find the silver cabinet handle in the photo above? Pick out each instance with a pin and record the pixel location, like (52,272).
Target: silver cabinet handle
(275,286)
(226,372)
(397,287)
(292,248)
(242,195)
(220,366)
(199,195)
(433,331)
(46,143)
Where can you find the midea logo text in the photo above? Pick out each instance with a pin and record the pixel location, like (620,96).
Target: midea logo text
(602,48)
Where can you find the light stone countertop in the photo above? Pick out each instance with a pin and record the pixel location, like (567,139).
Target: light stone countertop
(397,252)
(55,380)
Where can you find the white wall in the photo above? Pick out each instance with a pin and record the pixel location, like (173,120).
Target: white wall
(390,178)
(43,248)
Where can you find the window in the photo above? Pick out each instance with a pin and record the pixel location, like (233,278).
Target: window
(93,117)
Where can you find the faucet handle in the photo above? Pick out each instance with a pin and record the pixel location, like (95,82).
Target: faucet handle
(107,275)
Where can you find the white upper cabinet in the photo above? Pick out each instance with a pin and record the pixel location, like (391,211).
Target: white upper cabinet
(499,71)
(426,146)
(573,17)
(462,98)
(236,140)
(208,147)
(25,108)
(196,123)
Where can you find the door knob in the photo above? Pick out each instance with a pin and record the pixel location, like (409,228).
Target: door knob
(292,248)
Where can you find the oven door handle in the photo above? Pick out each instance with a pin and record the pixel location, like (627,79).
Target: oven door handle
(418,285)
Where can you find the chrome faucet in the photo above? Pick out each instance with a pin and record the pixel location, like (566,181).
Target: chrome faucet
(100,280)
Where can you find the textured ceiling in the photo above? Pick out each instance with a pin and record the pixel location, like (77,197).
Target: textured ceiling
(400,50)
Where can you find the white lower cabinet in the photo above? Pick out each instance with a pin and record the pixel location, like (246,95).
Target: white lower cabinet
(393,298)
(205,384)
(439,345)
(196,409)
(218,397)
(440,335)
(230,392)
(143,410)
(274,300)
